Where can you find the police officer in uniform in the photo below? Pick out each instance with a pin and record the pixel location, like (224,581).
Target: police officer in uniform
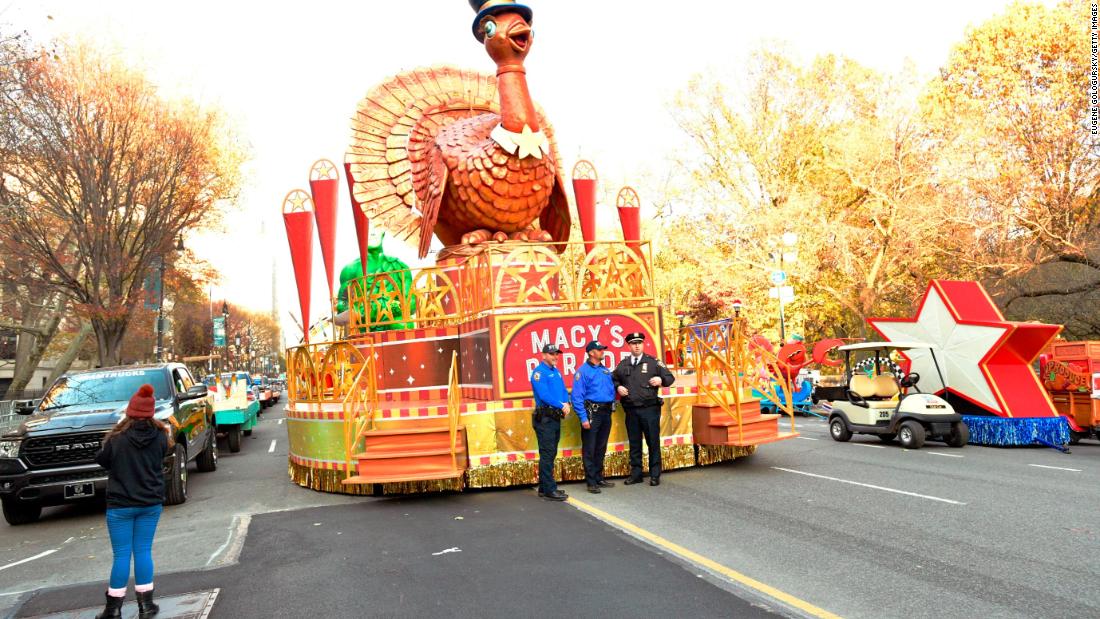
(594,399)
(551,406)
(637,379)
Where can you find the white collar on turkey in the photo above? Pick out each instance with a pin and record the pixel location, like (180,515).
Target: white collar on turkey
(528,143)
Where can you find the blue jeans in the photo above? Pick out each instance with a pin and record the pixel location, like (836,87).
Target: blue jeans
(132,530)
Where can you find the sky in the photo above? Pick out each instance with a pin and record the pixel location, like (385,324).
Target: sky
(289,75)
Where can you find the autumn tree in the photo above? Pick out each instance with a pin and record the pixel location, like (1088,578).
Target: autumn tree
(1011,119)
(101,175)
(831,151)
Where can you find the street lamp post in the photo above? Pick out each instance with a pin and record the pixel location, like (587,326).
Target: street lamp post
(225,324)
(785,254)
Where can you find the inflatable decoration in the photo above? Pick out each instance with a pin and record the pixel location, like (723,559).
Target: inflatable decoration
(381,291)
(986,363)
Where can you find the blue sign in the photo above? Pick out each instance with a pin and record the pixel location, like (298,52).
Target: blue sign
(219,331)
(778,277)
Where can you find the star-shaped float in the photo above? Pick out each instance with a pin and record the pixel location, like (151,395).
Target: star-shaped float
(984,358)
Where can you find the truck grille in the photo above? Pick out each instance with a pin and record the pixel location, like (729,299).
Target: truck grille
(63,449)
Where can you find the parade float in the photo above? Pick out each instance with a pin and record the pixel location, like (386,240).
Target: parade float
(1070,372)
(425,385)
(986,363)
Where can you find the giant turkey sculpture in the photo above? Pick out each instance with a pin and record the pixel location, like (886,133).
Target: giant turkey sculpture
(467,156)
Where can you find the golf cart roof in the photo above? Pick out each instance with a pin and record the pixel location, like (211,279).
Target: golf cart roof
(885,346)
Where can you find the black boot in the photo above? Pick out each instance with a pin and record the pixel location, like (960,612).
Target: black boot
(146,607)
(113,609)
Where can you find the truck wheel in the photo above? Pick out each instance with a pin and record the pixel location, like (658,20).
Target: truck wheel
(247,432)
(175,490)
(21,512)
(1075,436)
(207,461)
(959,436)
(887,438)
(235,439)
(911,434)
(839,430)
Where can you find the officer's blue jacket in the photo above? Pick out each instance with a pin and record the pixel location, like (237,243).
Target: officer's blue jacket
(549,387)
(592,382)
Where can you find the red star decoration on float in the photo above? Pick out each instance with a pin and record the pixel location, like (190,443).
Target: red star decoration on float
(985,359)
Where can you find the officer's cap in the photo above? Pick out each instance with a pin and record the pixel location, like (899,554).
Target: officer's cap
(551,349)
(637,336)
(594,345)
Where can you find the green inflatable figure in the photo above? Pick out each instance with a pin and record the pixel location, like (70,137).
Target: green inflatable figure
(384,292)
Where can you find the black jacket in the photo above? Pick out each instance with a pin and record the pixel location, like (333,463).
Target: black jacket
(636,380)
(135,460)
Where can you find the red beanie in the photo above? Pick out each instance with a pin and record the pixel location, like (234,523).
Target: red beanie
(142,403)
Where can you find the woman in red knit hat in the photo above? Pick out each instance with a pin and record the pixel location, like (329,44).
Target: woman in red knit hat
(133,454)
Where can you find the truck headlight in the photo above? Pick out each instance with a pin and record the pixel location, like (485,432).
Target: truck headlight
(9,449)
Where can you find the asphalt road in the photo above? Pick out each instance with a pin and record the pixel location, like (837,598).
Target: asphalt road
(859,529)
(983,532)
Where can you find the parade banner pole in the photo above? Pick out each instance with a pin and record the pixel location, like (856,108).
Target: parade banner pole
(362,224)
(629,206)
(324,188)
(585,182)
(298,217)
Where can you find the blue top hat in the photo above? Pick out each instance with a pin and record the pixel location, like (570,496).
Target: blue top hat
(492,7)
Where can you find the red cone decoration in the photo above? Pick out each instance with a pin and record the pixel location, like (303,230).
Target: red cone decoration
(362,224)
(629,205)
(585,181)
(324,186)
(298,217)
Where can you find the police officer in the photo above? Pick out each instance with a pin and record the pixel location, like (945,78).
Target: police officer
(551,406)
(637,379)
(593,399)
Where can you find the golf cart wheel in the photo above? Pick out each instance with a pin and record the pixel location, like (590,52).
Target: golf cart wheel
(839,430)
(887,438)
(911,435)
(959,435)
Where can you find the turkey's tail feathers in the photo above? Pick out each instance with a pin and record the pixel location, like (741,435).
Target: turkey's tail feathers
(392,160)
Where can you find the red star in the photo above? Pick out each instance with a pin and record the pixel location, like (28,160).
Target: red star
(984,358)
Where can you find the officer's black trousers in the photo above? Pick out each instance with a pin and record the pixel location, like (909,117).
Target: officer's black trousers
(594,446)
(548,433)
(644,421)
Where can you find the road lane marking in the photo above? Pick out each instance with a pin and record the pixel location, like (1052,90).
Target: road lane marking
(271,449)
(1056,468)
(872,486)
(699,559)
(940,453)
(234,541)
(806,438)
(280,422)
(870,445)
(28,559)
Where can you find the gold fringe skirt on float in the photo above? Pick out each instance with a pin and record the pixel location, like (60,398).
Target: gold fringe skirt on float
(519,473)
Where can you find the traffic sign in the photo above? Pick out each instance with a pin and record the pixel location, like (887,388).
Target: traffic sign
(778,277)
(784,294)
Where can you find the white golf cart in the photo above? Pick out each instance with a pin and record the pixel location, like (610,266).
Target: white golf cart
(891,407)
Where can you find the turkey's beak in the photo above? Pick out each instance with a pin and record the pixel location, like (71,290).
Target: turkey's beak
(520,37)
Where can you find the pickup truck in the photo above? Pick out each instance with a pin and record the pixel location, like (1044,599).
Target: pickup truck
(50,458)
